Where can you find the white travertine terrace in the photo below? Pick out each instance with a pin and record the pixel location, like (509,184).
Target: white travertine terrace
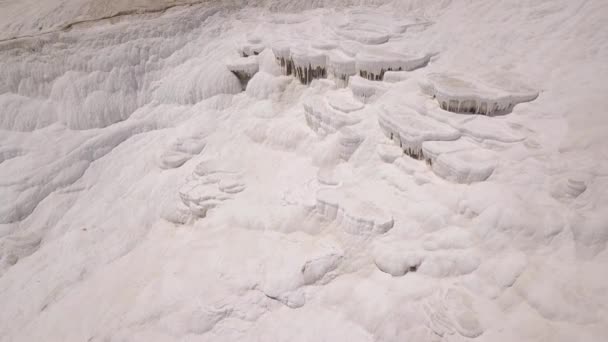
(365,90)
(341,67)
(492,94)
(324,119)
(409,129)
(355,45)
(354,216)
(460,161)
(344,101)
(372,64)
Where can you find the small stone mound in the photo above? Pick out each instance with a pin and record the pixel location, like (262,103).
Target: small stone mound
(397,263)
(439,258)
(492,94)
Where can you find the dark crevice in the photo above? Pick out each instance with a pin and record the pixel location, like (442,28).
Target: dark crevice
(70,26)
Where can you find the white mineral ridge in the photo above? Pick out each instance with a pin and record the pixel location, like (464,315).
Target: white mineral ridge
(205,170)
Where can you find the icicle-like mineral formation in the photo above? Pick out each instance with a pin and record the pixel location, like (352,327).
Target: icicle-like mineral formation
(341,67)
(308,64)
(282,53)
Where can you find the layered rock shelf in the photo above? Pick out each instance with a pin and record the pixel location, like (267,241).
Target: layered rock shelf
(460,161)
(354,216)
(373,64)
(491,94)
(323,119)
(354,50)
(409,129)
(364,90)
(312,63)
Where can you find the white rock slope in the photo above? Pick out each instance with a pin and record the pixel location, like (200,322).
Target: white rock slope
(299,170)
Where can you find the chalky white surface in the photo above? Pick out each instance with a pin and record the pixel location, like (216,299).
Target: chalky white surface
(144,196)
